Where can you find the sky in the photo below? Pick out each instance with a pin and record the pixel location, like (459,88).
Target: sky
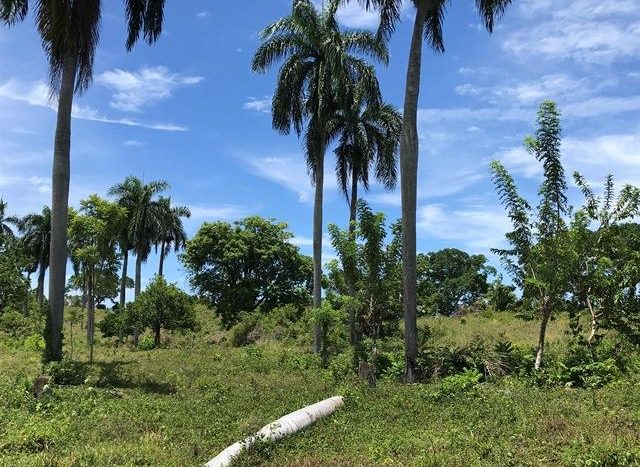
(190,111)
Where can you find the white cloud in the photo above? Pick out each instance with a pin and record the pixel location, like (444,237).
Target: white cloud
(136,89)
(585,31)
(352,15)
(225,212)
(37,94)
(259,105)
(203,14)
(476,227)
(133,142)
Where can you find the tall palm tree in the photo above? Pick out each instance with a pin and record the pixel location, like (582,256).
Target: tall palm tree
(172,232)
(6,221)
(70,32)
(36,237)
(368,134)
(145,215)
(429,18)
(318,59)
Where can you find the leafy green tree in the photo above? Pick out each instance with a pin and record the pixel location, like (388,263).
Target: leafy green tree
(319,62)
(245,266)
(377,271)
(164,306)
(171,233)
(14,286)
(605,248)
(428,25)
(36,237)
(93,235)
(451,278)
(540,253)
(70,32)
(500,296)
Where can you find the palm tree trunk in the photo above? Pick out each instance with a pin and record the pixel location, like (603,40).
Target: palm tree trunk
(59,212)
(25,305)
(138,287)
(408,188)
(91,318)
(353,338)
(161,266)
(317,243)
(123,278)
(40,290)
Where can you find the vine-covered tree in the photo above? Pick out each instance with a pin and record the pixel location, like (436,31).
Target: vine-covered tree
(539,255)
(245,266)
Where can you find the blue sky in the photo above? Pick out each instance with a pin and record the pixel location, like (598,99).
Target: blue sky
(190,111)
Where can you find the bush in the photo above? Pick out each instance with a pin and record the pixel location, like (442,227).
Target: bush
(147,343)
(67,372)
(16,324)
(243,333)
(113,323)
(34,342)
(461,383)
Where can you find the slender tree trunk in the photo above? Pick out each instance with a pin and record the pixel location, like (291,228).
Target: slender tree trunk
(40,290)
(137,289)
(91,318)
(161,265)
(25,305)
(123,289)
(317,244)
(156,332)
(59,213)
(123,278)
(546,313)
(594,321)
(408,188)
(353,337)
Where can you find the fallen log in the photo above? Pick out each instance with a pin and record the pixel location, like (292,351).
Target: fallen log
(281,428)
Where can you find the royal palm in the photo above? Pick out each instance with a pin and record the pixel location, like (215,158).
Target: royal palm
(429,19)
(36,237)
(70,32)
(318,61)
(171,234)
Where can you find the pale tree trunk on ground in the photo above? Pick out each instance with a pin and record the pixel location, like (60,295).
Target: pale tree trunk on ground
(59,212)
(317,244)
(546,313)
(408,189)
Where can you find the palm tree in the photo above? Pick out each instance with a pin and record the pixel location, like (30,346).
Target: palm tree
(428,23)
(144,217)
(70,32)
(5,221)
(318,59)
(172,230)
(368,134)
(36,237)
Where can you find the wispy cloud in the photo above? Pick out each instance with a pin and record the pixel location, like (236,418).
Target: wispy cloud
(216,212)
(258,104)
(37,94)
(136,89)
(203,14)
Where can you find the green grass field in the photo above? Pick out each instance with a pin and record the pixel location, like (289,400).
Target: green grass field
(181,405)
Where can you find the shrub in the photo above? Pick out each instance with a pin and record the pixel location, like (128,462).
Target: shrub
(67,372)
(243,333)
(34,342)
(461,383)
(147,343)
(113,323)
(16,324)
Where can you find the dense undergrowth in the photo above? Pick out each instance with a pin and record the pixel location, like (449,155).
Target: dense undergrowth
(180,404)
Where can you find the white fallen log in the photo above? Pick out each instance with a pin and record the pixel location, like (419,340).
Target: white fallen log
(281,428)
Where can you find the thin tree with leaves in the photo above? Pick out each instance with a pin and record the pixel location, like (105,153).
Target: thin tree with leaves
(70,32)
(428,24)
(318,61)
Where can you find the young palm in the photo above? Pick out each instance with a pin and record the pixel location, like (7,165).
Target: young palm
(428,23)
(7,221)
(36,237)
(70,31)
(172,232)
(318,58)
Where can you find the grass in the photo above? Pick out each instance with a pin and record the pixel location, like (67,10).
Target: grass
(181,405)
